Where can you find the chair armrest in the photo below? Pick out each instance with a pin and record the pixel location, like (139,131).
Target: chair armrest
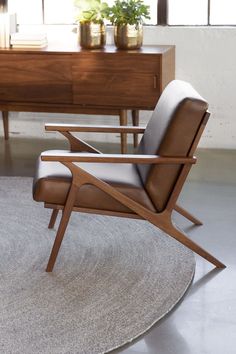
(93,128)
(116,158)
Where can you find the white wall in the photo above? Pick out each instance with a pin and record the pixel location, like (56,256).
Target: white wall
(206,57)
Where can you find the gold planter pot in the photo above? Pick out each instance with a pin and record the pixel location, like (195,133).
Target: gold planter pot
(3,6)
(92,35)
(128,36)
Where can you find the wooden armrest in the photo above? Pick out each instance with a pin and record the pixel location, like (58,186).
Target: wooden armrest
(116,158)
(93,128)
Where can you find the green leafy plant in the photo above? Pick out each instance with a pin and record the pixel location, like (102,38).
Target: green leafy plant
(88,11)
(129,12)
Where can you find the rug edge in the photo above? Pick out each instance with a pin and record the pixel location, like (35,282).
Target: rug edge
(159,318)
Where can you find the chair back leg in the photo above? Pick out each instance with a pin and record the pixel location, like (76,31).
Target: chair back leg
(53,218)
(187,215)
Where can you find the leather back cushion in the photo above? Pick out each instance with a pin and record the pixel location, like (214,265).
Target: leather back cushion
(170,132)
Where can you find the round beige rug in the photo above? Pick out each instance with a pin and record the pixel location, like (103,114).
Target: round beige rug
(114,278)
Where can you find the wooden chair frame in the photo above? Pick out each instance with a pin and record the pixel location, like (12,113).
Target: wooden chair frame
(80,177)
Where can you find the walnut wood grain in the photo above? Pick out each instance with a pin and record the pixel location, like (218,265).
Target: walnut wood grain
(65,79)
(122,61)
(79,145)
(123,136)
(94,128)
(161,220)
(5,120)
(135,121)
(30,78)
(187,215)
(93,211)
(116,158)
(167,69)
(112,89)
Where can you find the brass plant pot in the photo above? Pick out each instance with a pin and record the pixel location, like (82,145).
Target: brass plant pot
(128,36)
(3,6)
(92,35)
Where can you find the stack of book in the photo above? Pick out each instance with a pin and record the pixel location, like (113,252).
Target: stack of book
(7,26)
(28,40)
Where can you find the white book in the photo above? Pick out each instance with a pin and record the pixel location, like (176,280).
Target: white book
(31,42)
(30,45)
(21,36)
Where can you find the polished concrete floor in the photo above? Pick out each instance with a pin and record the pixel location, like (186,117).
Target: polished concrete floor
(205,321)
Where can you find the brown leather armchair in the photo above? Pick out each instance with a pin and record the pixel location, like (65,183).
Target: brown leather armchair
(144,185)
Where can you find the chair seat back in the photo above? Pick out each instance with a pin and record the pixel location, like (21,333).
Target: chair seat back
(170,132)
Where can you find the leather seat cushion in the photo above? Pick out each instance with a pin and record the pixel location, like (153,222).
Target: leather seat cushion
(52,182)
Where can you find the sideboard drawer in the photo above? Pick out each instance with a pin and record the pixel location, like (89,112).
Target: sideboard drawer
(116,89)
(121,61)
(35,78)
(68,78)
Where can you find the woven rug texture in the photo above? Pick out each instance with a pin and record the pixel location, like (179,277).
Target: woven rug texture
(113,279)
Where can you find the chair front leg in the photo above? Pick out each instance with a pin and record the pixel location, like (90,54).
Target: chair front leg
(161,220)
(62,226)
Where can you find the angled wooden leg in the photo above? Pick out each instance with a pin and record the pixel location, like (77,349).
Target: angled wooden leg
(187,215)
(161,220)
(62,227)
(58,240)
(5,124)
(123,136)
(180,236)
(135,120)
(53,218)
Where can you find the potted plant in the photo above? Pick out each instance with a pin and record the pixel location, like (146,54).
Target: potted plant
(90,17)
(127,18)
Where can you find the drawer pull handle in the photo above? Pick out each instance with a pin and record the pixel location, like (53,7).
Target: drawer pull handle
(155,81)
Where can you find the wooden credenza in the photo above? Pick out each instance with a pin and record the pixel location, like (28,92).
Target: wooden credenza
(65,79)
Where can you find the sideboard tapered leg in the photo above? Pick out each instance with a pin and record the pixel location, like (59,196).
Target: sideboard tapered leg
(5,124)
(123,121)
(135,119)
